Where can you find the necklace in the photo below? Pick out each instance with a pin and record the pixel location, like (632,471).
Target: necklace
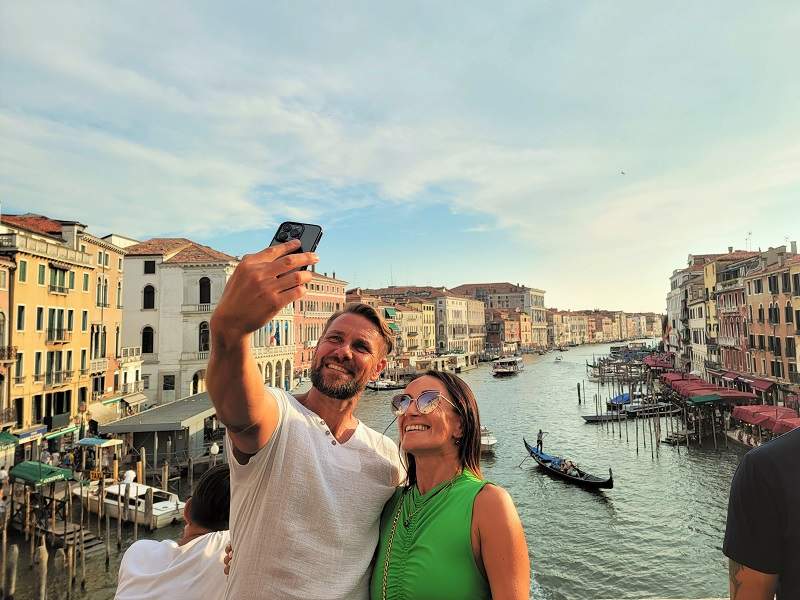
(406,523)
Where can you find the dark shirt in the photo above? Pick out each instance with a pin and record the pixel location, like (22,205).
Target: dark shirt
(763,530)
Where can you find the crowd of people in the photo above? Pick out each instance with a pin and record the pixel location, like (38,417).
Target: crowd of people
(316,505)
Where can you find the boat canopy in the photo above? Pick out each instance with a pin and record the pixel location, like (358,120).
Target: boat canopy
(37,473)
(621,399)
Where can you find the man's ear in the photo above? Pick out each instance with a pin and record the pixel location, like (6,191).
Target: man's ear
(187,511)
(379,367)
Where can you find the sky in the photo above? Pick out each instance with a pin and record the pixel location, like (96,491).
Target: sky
(583,148)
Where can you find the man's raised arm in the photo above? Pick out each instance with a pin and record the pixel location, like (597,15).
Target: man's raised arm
(259,288)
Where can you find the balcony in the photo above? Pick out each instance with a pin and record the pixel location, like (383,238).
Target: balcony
(38,378)
(102,304)
(8,353)
(197,308)
(55,379)
(98,365)
(728,341)
(130,354)
(132,387)
(84,372)
(58,289)
(19,380)
(713,365)
(193,356)
(727,310)
(58,336)
(60,252)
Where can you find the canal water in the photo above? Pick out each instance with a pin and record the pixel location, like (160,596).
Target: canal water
(657,534)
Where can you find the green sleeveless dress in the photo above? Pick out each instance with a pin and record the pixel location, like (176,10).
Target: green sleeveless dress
(431,550)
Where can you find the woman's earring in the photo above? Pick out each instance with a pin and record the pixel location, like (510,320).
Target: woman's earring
(458,441)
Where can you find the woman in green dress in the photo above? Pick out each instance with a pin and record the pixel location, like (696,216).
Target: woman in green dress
(447,534)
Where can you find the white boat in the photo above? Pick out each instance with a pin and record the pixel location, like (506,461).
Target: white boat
(488,440)
(509,365)
(167,507)
(384,384)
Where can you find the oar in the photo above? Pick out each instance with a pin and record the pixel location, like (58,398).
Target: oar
(523,460)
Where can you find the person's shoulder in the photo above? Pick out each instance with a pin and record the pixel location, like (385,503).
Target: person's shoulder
(382,443)
(493,503)
(783,448)
(147,551)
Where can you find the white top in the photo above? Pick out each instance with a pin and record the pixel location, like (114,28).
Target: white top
(129,476)
(305,510)
(152,570)
(3,474)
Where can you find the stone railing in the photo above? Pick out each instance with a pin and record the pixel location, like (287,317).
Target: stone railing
(98,365)
(45,249)
(130,354)
(197,308)
(8,353)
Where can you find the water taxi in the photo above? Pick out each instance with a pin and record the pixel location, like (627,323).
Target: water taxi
(167,507)
(488,440)
(384,384)
(509,365)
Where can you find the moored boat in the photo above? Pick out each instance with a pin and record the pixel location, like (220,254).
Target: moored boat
(488,440)
(384,384)
(509,365)
(167,507)
(553,465)
(611,415)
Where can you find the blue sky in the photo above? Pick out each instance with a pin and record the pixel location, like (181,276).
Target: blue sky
(436,144)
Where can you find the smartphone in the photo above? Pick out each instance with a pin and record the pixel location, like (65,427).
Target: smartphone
(309,236)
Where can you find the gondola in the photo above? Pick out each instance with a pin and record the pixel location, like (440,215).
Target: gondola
(551,464)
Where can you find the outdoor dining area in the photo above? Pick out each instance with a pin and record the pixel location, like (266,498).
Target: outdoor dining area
(709,408)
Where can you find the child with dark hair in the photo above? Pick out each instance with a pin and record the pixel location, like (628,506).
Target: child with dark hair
(191,567)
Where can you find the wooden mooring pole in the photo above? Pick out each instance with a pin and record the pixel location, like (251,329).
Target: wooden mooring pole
(11,573)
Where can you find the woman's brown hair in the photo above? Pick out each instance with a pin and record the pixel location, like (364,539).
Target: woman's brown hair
(469,449)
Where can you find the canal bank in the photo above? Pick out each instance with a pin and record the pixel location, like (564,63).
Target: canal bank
(657,534)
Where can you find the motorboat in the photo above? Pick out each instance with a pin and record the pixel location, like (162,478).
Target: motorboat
(488,440)
(167,507)
(509,365)
(384,384)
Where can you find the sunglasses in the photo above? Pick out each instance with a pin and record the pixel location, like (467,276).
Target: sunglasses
(427,402)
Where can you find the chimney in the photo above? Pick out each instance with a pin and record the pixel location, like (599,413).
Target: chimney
(334,274)
(313,268)
(794,247)
(730,249)
(325,274)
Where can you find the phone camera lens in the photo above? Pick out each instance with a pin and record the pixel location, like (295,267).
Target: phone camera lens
(297,231)
(283,236)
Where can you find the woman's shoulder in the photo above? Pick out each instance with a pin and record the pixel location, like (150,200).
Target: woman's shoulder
(494,503)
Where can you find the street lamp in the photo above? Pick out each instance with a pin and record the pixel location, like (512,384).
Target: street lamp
(213,451)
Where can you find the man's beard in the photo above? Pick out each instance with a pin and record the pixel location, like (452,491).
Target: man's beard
(342,391)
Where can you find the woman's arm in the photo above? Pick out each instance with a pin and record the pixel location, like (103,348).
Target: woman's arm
(503,549)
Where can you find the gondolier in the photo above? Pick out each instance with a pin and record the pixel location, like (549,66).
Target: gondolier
(539,437)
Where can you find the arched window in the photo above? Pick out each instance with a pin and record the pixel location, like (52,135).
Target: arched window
(147,340)
(203,342)
(205,290)
(99,292)
(103,342)
(149,297)
(286,333)
(2,329)
(119,294)
(788,312)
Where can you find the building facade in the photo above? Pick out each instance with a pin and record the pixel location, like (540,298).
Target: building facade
(325,296)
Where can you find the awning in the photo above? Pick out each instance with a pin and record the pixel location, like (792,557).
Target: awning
(778,415)
(762,385)
(706,399)
(786,425)
(8,439)
(759,414)
(394,327)
(32,433)
(99,442)
(134,399)
(729,375)
(38,473)
(61,432)
(111,401)
(390,313)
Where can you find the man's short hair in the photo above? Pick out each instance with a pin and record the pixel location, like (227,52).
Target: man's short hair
(371,315)
(210,506)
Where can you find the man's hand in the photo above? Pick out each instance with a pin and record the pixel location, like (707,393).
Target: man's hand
(259,288)
(228,558)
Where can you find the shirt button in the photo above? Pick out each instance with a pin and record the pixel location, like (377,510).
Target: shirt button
(333,442)
(322,422)
(327,432)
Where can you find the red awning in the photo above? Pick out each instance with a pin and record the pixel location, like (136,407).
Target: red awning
(729,375)
(792,401)
(762,385)
(732,394)
(758,414)
(775,414)
(786,425)
(671,376)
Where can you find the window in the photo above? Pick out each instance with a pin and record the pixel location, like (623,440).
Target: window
(100,258)
(169,382)
(777,349)
(147,340)
(788,312)
(119,264)
(84,320)
(760,313)
(149,297)
(37,363)
(39,318)
(105,259)
(40,277)
(205,290)
(203,342)
(3,282)
(20,318)
(22,272)
(772,282)
(758,285)
(18,365)
(119,294)
(70,319)
(146,382)
(85,282)
(786,283)
(83,359)
(796,284)
(761,342)
(791,348)
(149,267)
(72,280)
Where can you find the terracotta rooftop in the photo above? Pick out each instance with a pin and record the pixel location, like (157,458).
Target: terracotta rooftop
(322,277)
(36,223)
(179,250)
